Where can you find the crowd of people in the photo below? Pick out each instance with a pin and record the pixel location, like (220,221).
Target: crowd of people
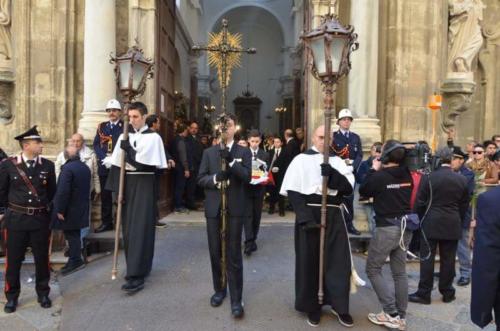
(414,212)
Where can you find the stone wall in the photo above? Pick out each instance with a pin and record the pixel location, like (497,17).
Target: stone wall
(47,47)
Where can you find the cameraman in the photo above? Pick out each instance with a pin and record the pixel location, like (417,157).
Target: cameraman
(390,184)
(442,202)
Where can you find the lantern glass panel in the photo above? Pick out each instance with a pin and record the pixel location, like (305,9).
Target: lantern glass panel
(124,75)
(139,72)
(337,46)
(318,50)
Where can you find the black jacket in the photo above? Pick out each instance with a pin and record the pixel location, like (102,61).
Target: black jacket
(195,149)
(450,200)
(72,197)
(239,176)
(391,191)
(280,163)
(14,190)
(290,150)
(486,262)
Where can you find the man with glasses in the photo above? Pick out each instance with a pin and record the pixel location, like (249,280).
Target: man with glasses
(104,143)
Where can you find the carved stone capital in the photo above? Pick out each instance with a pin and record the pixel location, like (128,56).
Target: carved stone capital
(457,98)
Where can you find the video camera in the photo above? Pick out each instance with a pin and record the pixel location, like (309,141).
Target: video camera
(419,157)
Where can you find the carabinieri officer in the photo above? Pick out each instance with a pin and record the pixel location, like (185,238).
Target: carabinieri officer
(27,186)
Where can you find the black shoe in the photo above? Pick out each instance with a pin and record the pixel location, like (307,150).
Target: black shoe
(271,211)
(104,227)
(282,213)
(10,306)
(72,267)
(352,230)
(313,318)
(237,310)
(416,298)
(133,285)
(449,298)
(45,301)
(160,224)
(217,299)
(248,248)
(463,281)
(344,319)
(254,246)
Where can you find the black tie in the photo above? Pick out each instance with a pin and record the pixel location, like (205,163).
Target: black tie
(31,164)
(254,155)
(346,134)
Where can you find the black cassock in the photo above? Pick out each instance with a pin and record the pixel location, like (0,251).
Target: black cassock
(307,242)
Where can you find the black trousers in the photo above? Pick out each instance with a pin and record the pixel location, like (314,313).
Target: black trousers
(274,196)
(252,223)
(191,190)
(234,260)
(16,243)
(179,188)
(106,202)
(447,253)
(75,245)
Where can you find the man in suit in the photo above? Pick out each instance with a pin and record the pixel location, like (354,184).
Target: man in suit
(104,144)
(183,169)
(72,206)
(237,176)
(278,169)
(27,187)
(260,159)
(292,147)
(485,296)
(347,145)
(195,149)
(442,226)
(463,249)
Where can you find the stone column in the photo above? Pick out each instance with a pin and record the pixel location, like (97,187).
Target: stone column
(98,75)
(362,80)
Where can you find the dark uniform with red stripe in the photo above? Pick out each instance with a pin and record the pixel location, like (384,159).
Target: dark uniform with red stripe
(26,219)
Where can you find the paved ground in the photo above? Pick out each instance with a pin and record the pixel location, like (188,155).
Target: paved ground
(176,296)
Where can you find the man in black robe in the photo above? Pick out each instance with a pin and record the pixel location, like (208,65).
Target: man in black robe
(303,186)
(144,155)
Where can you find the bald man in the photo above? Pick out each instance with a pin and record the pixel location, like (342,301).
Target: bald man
(303,186)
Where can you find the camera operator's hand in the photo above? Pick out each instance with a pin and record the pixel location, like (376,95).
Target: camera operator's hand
(221,176)
(376,164)
(226,155)
(326,169)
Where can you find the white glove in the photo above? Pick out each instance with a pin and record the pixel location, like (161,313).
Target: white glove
(275,169)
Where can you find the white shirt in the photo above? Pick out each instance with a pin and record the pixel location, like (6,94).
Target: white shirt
(25,160)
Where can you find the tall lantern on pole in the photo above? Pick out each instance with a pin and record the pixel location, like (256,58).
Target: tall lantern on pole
(330,46)
(132,70)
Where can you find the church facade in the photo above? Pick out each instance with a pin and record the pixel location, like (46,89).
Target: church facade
(55,70)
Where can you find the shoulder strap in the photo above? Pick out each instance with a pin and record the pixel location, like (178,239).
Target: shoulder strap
(25,179)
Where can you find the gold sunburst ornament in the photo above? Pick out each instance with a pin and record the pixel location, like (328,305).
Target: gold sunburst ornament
(224,53)
(232,58)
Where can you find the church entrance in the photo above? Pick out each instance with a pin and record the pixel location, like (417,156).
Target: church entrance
(247,109)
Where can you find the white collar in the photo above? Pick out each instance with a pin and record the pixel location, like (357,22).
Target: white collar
(141,130)
(289,139)
(114,123)
(230,145)
(254,151)
(344,131)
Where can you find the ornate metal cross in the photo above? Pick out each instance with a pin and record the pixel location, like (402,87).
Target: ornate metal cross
(224,52)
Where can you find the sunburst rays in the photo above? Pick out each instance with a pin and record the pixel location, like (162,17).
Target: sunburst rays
(221,50)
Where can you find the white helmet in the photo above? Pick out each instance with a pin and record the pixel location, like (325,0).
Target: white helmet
(113,104)
(345,113)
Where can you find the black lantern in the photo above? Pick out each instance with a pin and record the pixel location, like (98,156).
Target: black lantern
(132,69)
(331,45)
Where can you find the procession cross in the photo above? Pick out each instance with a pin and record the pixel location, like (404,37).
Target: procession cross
(224,52)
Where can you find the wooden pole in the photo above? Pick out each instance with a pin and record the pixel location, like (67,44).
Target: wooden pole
(330,89)
(121,188)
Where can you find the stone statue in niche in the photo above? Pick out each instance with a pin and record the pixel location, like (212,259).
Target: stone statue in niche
(5,35)
(464,35)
